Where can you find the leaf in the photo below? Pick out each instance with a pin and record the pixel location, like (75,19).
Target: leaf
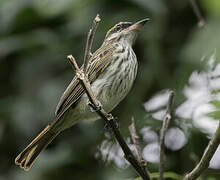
(214,114)
(216,103)
(170,175)
(212,6)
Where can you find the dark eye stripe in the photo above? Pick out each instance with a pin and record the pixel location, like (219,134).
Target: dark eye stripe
(119,27)
(122,26)
(126,25)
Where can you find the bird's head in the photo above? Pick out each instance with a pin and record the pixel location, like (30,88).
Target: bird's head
(125,31)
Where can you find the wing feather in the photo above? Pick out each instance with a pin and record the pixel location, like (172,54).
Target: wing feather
(98,62)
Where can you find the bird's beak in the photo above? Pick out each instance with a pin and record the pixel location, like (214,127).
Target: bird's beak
(138,25)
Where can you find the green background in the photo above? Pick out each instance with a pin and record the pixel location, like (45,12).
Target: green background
(173,53)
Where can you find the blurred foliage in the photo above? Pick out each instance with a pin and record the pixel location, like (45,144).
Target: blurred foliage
(170,175)
(215,114)
(173,53)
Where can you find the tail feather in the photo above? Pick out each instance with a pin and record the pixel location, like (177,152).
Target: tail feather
(27,157)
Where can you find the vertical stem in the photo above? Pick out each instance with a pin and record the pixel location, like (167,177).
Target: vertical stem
(165,125)
(89,42)
(135,140)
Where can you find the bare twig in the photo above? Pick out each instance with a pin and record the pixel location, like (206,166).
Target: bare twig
(206,158)
(109,119)
(135,139)
(166,121)
(196,10)
(85,82)
(89,42)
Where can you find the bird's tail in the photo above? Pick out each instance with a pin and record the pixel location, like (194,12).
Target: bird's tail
(27,157)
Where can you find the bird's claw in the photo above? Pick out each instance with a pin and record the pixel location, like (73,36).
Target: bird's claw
(94,108)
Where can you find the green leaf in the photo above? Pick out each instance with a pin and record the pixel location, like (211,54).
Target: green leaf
(212,6)
(171,175)
(214,114)
(216,103)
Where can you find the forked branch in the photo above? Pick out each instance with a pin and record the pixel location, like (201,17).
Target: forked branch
(109,119)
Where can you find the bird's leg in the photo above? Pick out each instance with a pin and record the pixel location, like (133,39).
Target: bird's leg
(94,108)
(107,126)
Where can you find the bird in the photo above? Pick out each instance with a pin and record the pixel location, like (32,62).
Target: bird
(111,71)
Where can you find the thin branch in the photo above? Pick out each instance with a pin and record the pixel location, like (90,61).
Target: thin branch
(135,139)
(109,119)
(95,104)
(85,82)
(165,125)
(89,42)
(206,158)
(196,10)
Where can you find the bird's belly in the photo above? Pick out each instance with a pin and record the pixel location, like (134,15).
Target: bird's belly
(113,86)
(110,88)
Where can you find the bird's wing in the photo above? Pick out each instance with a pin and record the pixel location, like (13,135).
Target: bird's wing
(97,63)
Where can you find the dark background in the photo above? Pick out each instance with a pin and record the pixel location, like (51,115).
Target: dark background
(173,53)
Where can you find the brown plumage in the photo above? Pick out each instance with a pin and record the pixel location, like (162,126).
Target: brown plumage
(111,70)
(26,158)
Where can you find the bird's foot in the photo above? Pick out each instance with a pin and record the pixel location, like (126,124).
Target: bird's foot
(94,108)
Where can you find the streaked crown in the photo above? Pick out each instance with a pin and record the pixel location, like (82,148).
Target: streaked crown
(118,28)
(125,31)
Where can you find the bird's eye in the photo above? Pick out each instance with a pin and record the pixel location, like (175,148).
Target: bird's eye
(124,26)
(118,27)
